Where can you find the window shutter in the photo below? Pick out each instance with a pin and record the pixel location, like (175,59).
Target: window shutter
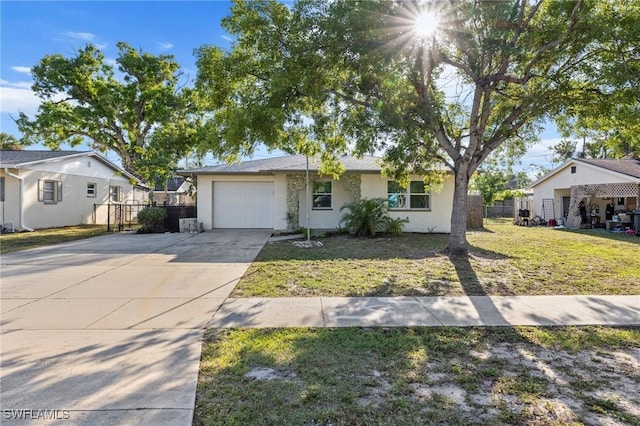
(40,190)
(119,194)
(59,186)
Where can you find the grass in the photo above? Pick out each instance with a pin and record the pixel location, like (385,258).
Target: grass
(44,237)
(504,260)
(357,376)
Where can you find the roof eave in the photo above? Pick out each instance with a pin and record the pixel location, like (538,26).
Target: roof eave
(45,160)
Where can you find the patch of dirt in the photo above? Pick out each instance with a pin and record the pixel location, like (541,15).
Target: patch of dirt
(449,391)
(377,392)
(268,374)
(513,383)
(547,386)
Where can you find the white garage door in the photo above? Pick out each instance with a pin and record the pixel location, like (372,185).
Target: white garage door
(243,204)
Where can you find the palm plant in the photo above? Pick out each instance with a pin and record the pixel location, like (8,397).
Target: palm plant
(368,216)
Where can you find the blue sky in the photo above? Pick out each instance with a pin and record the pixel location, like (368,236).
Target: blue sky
(32,29)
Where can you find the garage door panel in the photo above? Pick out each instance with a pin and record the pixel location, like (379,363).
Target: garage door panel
(243,205)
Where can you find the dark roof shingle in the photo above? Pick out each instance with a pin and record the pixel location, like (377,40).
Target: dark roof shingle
(293,163)
(8,158)
(630,167)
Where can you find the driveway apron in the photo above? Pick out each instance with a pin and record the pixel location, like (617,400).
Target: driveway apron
(108,330)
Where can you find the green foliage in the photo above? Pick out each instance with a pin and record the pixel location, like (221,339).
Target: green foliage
(143,116)
(564,150)
(152,219)
(345,75)
(489,183)
(368,216)
(509,194)
(607,115)
(9,142)
(395,226)
(492,182)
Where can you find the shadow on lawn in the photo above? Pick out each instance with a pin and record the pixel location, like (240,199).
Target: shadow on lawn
(412,246)
(602,233)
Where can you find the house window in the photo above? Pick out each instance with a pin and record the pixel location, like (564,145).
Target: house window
(92,190)
(1,188)
(115,194)
(49,191)
(321,194)
(413,197)
(573,169)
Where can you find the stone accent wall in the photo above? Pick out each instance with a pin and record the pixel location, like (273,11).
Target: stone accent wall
(352,183)
(296,183)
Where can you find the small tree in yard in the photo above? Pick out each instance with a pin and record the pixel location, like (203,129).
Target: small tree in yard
(151,219)
(428,83)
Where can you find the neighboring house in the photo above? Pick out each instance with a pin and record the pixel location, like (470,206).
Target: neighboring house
(42,189)
(175,193)
(558,194)
(271,193)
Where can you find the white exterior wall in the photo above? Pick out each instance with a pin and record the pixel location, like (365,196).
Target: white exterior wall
(438,219)
(325,218)
(76,207)
(205,196)
(559,185)
(10,208)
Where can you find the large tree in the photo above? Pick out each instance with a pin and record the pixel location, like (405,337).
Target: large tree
(606,120)
(136,108)
(427,83)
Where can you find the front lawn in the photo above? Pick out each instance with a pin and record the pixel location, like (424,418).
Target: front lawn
(417,376)
(44,237)
(504,260)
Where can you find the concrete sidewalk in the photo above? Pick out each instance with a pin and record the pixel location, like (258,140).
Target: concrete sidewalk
(428,311)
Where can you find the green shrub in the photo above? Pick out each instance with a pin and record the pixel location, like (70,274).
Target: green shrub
(396,226)
(151,219)
(369,216)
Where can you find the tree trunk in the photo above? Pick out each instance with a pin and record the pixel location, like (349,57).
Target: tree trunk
(458,236)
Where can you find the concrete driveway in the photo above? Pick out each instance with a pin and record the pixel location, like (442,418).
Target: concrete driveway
(108,330)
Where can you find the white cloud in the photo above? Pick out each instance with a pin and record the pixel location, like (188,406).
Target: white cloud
(110,61)
(23,70)
(80,35)
(227,38)
(17,97)
(165,45)
(18,84)
(101,46)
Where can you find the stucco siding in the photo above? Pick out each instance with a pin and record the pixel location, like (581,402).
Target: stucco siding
(76,207)
(437,219)
(325,218)
(372,185)
(10,207)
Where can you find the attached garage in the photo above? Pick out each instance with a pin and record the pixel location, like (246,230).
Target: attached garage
(242,204)
(270,193)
